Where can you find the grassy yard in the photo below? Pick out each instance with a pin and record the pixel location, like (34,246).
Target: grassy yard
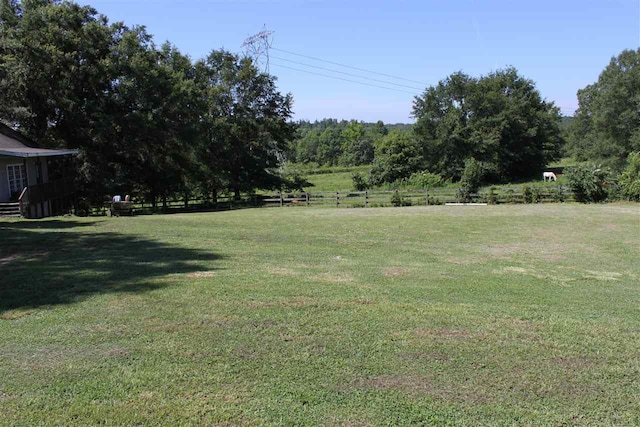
(495,315)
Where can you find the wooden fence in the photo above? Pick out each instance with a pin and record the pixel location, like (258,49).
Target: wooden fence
(354,199)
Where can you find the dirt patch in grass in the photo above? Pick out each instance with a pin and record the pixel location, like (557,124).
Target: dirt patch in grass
(201,274)
(15,314)
(422,385)
(604,276)
(395,271)
(503,250)
(333,278)
(413,384)
(23,256)
(281,271)
(54,357)
(5,396)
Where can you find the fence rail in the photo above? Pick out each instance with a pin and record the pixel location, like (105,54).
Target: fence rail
(354,199)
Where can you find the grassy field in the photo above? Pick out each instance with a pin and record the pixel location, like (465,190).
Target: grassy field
(495,315)
(342,181)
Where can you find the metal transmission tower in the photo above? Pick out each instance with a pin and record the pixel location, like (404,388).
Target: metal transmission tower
(257,47)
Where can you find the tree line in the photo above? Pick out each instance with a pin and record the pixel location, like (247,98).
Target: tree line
(496,128)
(147,119)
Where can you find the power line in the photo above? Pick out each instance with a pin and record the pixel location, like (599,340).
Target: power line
(340,78)
(346,74)
(348,66)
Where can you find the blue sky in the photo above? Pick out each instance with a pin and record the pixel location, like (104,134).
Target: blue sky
(562,45)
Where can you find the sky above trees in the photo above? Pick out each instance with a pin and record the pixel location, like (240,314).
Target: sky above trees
(561,45)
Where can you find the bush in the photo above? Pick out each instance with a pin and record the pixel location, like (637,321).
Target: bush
(397,200)
(425,179)
(491,197)
(630,178)
(588,182)
(536,194)
(557,195)
(471,180)
(527,195)
(510,196)
(359,182)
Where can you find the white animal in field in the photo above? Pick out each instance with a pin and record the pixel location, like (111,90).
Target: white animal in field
(552,176)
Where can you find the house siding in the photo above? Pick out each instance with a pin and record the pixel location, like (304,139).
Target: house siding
(5,194)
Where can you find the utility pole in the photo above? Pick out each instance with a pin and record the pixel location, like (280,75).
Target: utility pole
(257,47)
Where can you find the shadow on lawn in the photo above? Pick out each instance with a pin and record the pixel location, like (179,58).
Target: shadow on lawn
(46,263)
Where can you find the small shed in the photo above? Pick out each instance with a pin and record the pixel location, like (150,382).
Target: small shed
(25,187)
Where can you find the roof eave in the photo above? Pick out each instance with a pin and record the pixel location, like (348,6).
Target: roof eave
(49,153)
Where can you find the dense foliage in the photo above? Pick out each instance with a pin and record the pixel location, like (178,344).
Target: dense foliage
(146,119)
(588,182)
(630,178)
(334,142)
(607,124)
(500,120)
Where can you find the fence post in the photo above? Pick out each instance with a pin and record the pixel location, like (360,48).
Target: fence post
(426,197)
(306,196)
(281,201)
(366,199)
(337,199)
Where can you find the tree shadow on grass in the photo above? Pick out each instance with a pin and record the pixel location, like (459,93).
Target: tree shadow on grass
(48,263)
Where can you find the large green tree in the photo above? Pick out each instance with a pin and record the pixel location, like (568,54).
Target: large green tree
(607,124)
(248,121)
(499,119)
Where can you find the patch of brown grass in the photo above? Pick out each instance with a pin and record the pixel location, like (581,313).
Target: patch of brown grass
(333,278)
(281,271)
(201,274)
(395,271)
(15,314)
(5,396)
(419,384)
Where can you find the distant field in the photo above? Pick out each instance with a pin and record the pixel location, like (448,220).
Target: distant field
(495,315)
(335,181)
(341,181)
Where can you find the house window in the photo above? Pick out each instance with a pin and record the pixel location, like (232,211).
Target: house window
(17,178)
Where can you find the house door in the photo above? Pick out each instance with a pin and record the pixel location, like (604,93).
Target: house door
(17,178)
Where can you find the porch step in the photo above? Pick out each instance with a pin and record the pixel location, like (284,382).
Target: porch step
(10,209)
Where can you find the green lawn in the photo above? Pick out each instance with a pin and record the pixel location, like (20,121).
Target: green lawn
(334,181)
(494,315)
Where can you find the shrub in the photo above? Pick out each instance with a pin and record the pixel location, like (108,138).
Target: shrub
(536,194)
(527,195)
(510,196)
(557,195)
(425,179)
(491,197)
(359,182)
(630,178)
(588,182)
(471,180)
(396,199)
